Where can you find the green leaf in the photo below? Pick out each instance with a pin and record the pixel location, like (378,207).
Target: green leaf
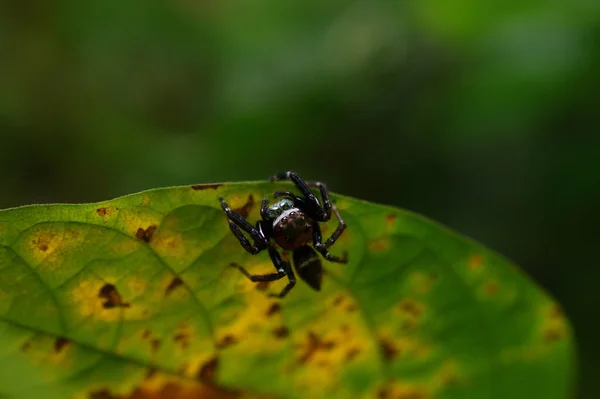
(134,297)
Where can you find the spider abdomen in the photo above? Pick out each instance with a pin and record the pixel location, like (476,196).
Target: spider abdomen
(292,229)
(308,265)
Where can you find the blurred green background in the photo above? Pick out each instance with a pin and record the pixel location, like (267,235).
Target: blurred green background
(483,117)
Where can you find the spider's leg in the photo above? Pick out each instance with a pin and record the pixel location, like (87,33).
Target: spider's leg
(236,221)
(282,267)
(322,247)
(258,277)
(297,180)
(324,196)
(289,194)
(253,249)
(263,208)
(286,289)
(340,229)
(319,213)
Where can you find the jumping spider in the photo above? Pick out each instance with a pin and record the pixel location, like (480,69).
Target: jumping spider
(292,223)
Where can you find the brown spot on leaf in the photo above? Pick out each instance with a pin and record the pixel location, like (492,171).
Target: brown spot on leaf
(412,394)
(247,208)
(383,393)
(412,308)
(146,235)
(552,335)
(401,392)
(47,241)
(211,186)
(183,339)
(26,346)
(379,244)
(281,332)
(103,394)
(322,364)
(171,390)
(389,219)
(273,309)
(351,307)
(206,374)
(208,370)
(102,211)
(150,373)
(352,353)
(314,345)
(112,297)
(262,285)
(338,300)
(226,340)
(491,288)
(176,282)
(388,349)
(556,312)
(476,262)
(154,344)
(60,343)
(555,326)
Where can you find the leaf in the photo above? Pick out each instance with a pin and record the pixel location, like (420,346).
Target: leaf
(134,298)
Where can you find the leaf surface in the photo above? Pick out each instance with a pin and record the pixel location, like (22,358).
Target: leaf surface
(134,298)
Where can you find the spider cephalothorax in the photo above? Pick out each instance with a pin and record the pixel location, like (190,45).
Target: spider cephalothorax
(292,228)
(292,223)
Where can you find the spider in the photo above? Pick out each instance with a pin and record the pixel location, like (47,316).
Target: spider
(292,223)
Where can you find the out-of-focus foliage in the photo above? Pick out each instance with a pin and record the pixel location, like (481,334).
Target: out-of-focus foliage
(481,116)
(134,298)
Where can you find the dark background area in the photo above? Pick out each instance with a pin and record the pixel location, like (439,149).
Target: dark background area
(482,117)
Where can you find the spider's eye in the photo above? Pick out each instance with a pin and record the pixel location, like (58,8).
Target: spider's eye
(286,204)
(273,211)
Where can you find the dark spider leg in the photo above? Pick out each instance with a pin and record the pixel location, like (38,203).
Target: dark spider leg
(282,267)
(290,194)
(322,248)
(285,290)
(236,222)
(322,215)
(253,249)
(258,277)
(324,196)
(340,229)
(263,208)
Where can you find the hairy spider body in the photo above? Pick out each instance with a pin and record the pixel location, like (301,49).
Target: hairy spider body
(293,229)
(292,223)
